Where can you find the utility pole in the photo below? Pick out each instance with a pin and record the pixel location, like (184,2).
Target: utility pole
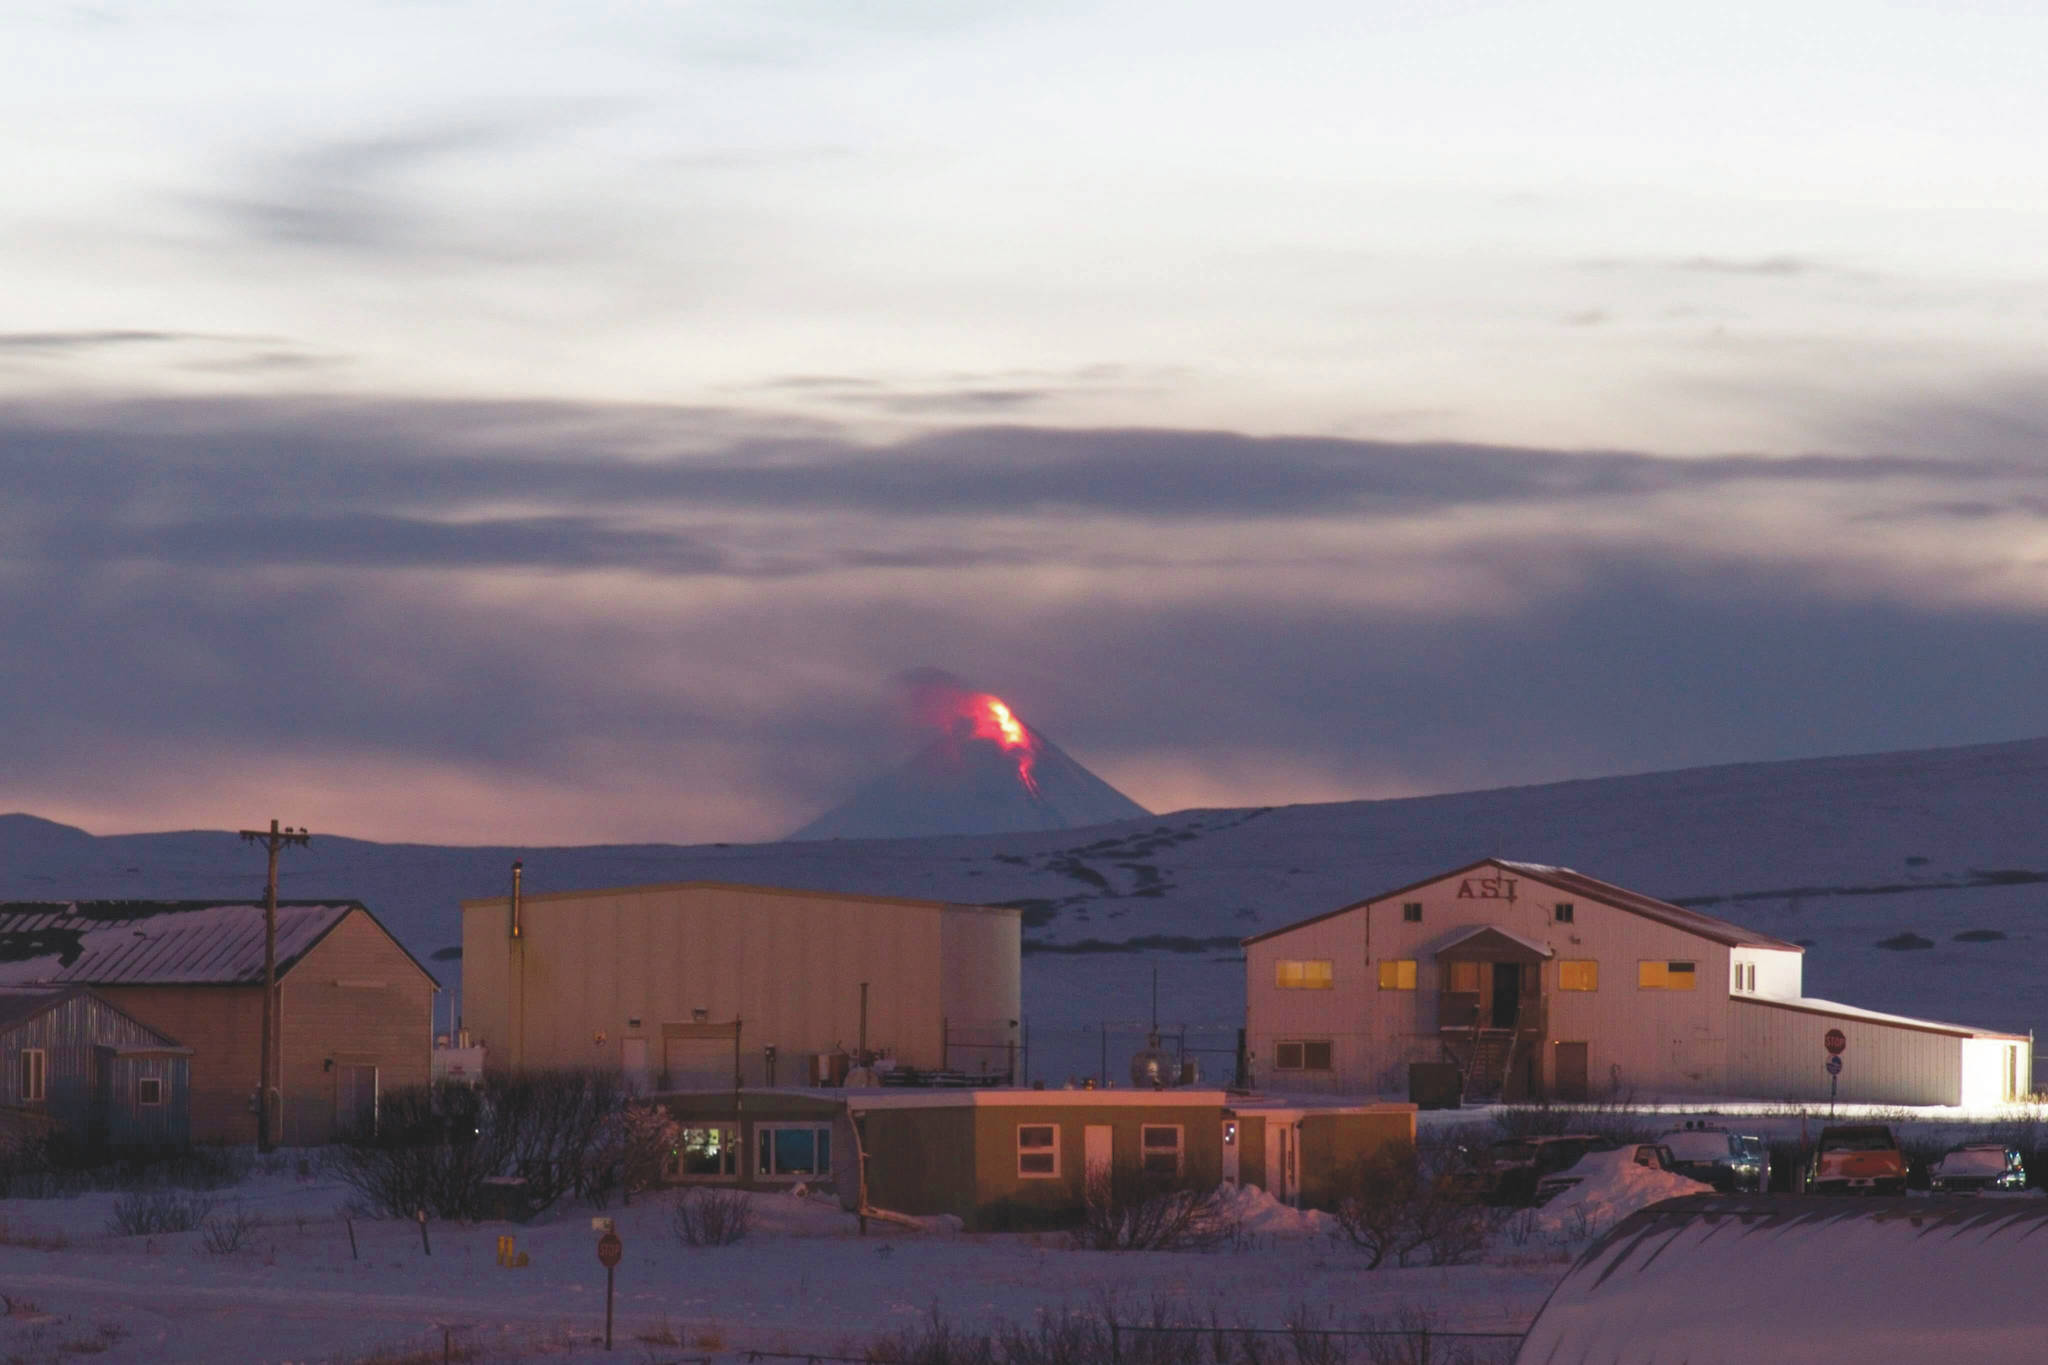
(272,839)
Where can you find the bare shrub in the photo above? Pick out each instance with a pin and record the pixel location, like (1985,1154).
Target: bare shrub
(1409,1205)
(1130,1209)
(151,1213)
(705,1217)
(229,1233)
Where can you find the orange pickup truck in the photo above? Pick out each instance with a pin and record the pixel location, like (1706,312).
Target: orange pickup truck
(1857,1158)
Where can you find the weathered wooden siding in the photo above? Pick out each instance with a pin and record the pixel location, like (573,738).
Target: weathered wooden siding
(355,999)
(222,1025)
(79,1095)
(128,1121)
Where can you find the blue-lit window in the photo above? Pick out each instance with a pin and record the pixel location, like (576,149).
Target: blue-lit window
(793,1150)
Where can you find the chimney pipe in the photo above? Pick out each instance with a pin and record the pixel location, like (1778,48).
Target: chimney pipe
(518,930)
(863,1055)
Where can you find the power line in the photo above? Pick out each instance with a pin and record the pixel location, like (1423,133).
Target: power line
(267,1080)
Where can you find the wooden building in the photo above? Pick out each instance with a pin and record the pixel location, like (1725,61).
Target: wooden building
(1007,1157)
(70,1061)
(1542,982)
(700,984)
(355,1009)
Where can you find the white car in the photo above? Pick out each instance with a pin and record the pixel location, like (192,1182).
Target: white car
(1654,1155)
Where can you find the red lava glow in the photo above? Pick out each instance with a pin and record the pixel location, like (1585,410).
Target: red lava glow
(994,720)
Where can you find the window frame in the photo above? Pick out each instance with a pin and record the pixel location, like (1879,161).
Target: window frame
(764,1142)
(1050,1150)
(1147,1151)
(1657,974)
(1590,975)
(729,1152)
(1403,974)
(1302,1045)
(1564,912)
(141,1100)
(1411,912)
(32,1074)
(1309,973)
(1454,970)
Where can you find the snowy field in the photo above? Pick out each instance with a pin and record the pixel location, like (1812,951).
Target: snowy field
(803,1280)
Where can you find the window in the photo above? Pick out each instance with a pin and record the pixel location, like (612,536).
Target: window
(149,1090)
(34,1074)
(788,1150)
(1463,977)
(1666,976)
(1411,912)
(1038,1150)
(1397,974)
(1751,969)
(1564,912)
(705,1154)
(1316,974)
(1578,975)
(1159,1148)
(1303,1056)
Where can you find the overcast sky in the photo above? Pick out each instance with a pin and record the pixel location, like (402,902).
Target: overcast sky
(555,423)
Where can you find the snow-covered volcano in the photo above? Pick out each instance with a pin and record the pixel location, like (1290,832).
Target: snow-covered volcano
(986,772)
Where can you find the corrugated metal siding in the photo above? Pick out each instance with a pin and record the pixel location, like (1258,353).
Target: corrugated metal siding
(1778,1053)
(129,943)
(81,1074)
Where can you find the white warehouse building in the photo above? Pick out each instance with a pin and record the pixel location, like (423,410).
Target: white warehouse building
(1543,983)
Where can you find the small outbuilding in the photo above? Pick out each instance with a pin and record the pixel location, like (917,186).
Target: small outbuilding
(71,1062)
(354,1015)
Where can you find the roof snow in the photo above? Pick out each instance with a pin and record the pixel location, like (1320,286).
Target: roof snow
(105,943)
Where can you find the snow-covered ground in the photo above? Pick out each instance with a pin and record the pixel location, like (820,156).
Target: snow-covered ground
(802,1280)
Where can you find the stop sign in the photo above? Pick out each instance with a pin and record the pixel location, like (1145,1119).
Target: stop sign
(609,1248)
(1836,1041)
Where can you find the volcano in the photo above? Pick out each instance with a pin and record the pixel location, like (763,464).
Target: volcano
(987,772)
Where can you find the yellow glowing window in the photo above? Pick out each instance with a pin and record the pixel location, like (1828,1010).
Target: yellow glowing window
(1581,975)
(1314,974)
(1666,976)
(1397,974)
(1464,977)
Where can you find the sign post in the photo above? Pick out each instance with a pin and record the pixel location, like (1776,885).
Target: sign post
(1836,1043)
(609,1249)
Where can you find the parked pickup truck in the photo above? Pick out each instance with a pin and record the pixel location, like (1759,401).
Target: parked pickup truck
(1858,1158)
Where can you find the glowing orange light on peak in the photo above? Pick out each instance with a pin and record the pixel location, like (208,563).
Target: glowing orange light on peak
(1007,724)
(994,720)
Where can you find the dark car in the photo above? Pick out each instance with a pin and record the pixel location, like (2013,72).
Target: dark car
(1510,1170)
(1732,1163)
(1976,1167)
(1857,1158)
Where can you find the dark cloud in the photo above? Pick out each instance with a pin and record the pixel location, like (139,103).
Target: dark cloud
(74,341)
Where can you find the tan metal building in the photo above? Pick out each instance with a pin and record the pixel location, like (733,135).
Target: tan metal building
(1542,982)
(694,984)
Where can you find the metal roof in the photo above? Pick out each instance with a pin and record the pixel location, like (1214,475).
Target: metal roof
(121,943)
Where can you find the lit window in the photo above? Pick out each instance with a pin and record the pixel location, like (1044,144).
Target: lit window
(705,1154)
(1315,974)
(1411,912)
(1581,975)
(1397,974)
(791,1150)
(1038,1150)
(1159,1148)
(34,1074)
(1463,977)
(1303,1056)
(1751,969)
(1666,976)
(149,1090)
(1565,910)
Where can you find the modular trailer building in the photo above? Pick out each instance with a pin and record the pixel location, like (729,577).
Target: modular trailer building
(1540,982)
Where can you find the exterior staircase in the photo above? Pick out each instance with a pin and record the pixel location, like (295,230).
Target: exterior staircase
(1488,1057)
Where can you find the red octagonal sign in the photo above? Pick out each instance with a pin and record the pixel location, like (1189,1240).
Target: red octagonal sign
(609,1249)
(1836,1041)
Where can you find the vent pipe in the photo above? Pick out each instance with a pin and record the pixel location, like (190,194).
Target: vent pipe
(518,930)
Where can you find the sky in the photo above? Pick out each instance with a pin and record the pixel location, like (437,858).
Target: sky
(534,423)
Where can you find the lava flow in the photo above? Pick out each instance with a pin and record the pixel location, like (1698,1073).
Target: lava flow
(993,720)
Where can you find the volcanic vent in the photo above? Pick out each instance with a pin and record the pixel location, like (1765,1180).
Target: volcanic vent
(984,772)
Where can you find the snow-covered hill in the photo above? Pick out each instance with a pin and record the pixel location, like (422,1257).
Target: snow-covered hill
(1851,856)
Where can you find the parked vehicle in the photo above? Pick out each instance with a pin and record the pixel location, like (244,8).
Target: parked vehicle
(1654,1155)
(1732,1163)
(1856,1158)
(1978,1166)
(1509,1171)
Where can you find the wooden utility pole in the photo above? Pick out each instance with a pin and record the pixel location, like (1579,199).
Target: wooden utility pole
(272,839)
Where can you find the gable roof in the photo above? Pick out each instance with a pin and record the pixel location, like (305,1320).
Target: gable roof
(1575,884)
(1471,932)
(19,1004)
(157,943)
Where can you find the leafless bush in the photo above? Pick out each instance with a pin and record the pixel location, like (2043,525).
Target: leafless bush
(1618,1119)
(1130,1209)
(151,1213)
(705,1217)
(229,1233)
(1407,1205)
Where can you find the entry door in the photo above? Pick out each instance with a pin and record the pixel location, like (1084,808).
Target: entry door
(1570,1071)
(355,1108)
(1230,1151)
(1280,1160)
(633,1062)
(1507,994)
(1095,1156)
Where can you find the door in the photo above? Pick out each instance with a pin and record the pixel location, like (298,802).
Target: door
(1507,994)
(697,1063)
(633,1062)
(1280,1179)
(1570,1071)
(355,1108)
(1230,1150)
(1096,1155)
